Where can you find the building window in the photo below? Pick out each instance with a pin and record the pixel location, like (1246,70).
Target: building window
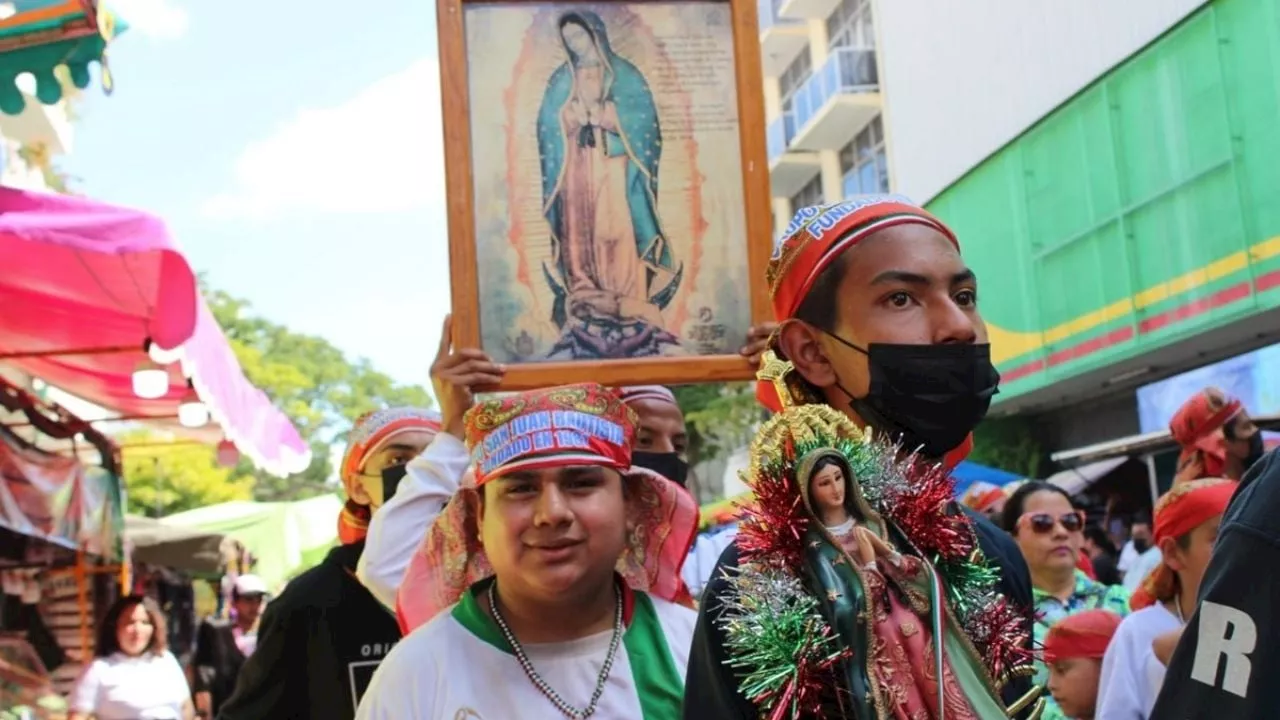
(864,163)
(810,194)
(850,25)
(793,78)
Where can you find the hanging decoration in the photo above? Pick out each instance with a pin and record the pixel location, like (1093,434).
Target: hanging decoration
(47,34)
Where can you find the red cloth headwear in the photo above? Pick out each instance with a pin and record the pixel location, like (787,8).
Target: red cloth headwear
(1197,427)
(586,424)
(817,236)
(982,496)
(1179,511)
(1082,635)
(371,432)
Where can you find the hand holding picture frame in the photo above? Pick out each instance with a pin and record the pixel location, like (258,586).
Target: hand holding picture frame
(608,191)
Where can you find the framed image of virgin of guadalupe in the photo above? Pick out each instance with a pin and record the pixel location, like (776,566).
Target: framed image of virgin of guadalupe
(608,192)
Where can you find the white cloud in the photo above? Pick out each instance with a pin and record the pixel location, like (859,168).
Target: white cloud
(160,19)
(380,151)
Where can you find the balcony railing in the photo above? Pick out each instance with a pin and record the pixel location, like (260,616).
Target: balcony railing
(779,134)
(767,13)
(846,71)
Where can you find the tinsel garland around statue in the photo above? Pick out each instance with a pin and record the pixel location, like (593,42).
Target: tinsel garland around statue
(776,637)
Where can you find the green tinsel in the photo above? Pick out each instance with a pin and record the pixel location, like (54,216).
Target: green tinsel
(774,633)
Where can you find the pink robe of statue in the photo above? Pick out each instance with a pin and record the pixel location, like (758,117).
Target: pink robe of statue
(600,240)
(902,657)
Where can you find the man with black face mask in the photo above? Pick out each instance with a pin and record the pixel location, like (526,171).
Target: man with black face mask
(1216,435)
(877,317)
(323,637)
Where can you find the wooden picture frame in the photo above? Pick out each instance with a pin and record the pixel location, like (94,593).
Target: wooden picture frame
(756,208)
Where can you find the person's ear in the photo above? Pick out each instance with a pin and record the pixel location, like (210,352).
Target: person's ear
(1172,554)
(801,343)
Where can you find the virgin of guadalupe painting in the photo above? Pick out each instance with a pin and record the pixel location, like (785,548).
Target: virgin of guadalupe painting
(600,144)
(607,181)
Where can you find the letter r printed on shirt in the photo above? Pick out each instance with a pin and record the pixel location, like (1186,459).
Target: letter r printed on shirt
(1227,635)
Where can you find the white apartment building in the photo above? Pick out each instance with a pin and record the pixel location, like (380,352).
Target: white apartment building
(823,102)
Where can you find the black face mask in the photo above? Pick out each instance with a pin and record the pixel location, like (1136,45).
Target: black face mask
(929,397)
(391,478)
(1141,545)
(669,465)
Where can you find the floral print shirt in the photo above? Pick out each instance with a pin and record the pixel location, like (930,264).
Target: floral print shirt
(1087,595)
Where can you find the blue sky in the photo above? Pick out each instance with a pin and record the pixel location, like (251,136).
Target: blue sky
(294,150)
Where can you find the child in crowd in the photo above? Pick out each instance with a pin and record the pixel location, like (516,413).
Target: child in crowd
(1073,650)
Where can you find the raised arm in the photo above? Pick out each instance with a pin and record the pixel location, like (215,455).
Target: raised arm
(430,481)
(433,477)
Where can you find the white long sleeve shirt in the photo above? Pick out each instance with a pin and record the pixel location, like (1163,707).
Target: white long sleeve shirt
(397,528)
(1131,674)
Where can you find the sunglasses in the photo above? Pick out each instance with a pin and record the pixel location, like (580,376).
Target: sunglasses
(1042,523)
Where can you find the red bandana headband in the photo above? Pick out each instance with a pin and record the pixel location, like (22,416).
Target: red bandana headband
(1082,635)
(1179,511)
(1196,427)
(585,424)
(817,235)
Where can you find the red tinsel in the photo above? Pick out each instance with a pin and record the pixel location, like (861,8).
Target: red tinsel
(1003,637)
(926,512)
(771,529)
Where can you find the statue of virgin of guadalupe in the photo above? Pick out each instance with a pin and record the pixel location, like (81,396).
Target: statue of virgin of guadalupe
(862,592)
(600,142)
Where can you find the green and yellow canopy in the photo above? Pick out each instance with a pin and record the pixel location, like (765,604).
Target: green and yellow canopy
(39,36)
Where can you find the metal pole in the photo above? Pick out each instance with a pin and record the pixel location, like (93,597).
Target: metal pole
(1150,459)
(29,354)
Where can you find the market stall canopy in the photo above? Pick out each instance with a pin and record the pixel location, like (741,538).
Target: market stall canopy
(155,542)
(38,36)
(1078,479)
(91,291)
(284,536)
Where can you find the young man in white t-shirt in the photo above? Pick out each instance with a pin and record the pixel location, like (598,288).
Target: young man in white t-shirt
(1186,526)
(554,587)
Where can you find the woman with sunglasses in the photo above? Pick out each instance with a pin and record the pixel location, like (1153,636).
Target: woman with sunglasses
(1050,532)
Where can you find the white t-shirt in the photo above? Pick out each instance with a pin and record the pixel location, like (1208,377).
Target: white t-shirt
(458,666)
(122,687)
(704,555)
(1142,566)
(1131,674)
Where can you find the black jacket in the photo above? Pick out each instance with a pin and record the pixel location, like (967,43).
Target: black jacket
(217,660)
(711,687)
(318,646)
(1226,663)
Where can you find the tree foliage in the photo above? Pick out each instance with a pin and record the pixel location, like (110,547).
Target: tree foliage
(311,381)
(1008,444)
(162,479)
(720,417)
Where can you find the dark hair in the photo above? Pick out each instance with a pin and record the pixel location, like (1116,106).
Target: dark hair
(109,631)
(824,462)
(1141,519)
(1099,537)
(1017,502)
(820,307)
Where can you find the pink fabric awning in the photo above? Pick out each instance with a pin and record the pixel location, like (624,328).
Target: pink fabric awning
(84,285)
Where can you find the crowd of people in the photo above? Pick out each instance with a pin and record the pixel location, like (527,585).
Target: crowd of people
(527,555)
